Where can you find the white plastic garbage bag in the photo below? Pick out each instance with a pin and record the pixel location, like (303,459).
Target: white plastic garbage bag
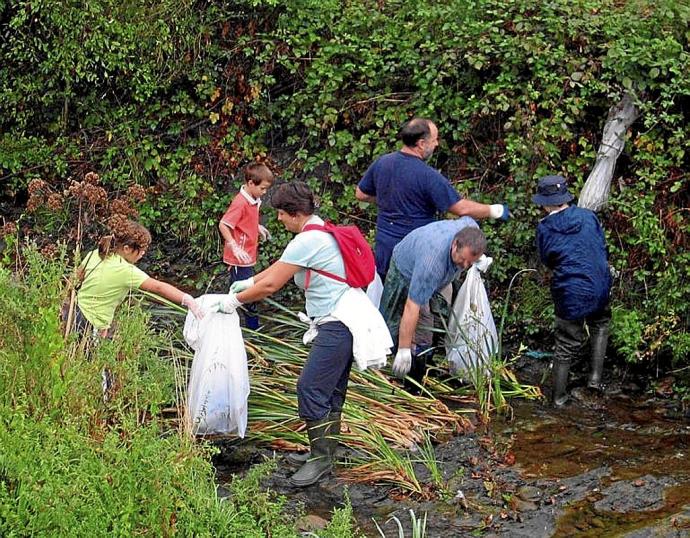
(472,337)
(375,290)
(219,381)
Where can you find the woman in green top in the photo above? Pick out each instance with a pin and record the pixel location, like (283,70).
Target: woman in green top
(109,273)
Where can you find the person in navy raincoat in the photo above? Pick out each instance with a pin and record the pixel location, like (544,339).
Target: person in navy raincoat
(571,243)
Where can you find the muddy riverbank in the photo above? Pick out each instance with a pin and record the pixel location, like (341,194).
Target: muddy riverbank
(604,466)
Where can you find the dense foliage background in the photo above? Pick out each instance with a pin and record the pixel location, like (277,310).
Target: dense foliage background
(176,96)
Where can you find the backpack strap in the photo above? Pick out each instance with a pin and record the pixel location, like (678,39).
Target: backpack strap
(307,278)
(81,280)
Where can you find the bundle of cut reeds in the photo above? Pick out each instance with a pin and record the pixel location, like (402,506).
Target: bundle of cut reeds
(380,419)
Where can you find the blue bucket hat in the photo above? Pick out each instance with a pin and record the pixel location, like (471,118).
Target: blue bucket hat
(552,190)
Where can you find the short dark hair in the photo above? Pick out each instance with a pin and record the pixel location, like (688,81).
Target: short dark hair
(293,197)
(414,130)
(471,237)
(257,173)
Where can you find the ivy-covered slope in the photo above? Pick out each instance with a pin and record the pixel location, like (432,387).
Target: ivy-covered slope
(177,96)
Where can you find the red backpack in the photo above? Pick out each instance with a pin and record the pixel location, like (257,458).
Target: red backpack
(358,258)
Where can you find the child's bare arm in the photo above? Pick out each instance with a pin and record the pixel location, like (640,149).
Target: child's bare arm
(168,291)
(225,231)
(171,293)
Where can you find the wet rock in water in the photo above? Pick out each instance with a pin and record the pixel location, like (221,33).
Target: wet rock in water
(589,397)
(563,451)
(674,526)
(539,524)
(598,523)
(579,487)
(523,506)
(529,493)
(640,495)
(310,523)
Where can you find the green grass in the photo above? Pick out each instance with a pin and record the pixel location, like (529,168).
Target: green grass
(73,464)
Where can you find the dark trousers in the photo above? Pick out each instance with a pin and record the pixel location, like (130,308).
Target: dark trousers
(80,325)
(570,333)
(383,251)
(392,306)
(322,385)
(235,273)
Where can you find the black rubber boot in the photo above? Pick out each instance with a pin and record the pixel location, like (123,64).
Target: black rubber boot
(321,461)
(599,340)
(298,458)
(561,368)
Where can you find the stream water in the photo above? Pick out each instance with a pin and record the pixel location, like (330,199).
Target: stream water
(600,467)
(621,463)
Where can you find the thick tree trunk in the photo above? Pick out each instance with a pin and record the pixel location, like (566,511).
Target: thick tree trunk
(595,193)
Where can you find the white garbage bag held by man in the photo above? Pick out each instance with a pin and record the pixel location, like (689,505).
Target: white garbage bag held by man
(472,337)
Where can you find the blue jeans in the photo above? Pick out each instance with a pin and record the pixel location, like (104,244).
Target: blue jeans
(383,251)
(322,385)
(235,273)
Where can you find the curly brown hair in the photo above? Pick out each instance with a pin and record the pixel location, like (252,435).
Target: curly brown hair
(124,232)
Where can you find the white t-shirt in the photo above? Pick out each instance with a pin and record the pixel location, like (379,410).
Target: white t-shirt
(317,250)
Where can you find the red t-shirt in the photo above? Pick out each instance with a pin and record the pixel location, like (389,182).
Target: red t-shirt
(242,217)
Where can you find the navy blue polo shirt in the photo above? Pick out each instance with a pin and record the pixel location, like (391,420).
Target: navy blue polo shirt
(409,194)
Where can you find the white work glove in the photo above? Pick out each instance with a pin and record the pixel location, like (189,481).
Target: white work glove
(239,253)
(229,304)
(241,285)
(499,211)
(264,233)
(483,263)
(402,362)
(193,306)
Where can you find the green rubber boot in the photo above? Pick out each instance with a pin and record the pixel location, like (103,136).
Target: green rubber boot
(561,368)
(599,339)
(298,458)
(321,460)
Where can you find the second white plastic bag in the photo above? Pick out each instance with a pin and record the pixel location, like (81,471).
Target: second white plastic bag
(375,290)
(472,337)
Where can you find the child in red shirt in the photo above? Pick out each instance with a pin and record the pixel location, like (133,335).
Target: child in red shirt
(240,229)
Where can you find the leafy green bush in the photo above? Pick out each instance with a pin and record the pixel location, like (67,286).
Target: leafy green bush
(73,464)
(320,88)
(517,92)
(626,333)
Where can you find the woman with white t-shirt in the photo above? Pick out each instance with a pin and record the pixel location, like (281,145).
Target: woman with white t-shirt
(322,385)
